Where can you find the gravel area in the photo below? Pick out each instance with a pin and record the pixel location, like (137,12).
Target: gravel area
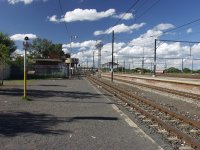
(185,106)
(64,114)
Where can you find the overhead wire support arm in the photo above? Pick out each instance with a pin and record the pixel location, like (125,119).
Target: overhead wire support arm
(195,42)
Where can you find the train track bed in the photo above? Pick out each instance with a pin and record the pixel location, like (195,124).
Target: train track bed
(190,76)
(184,106)
(178,84)
(137,107)
(176,90)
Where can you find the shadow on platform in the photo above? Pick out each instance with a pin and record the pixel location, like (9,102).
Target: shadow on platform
(48,93)
(12,124)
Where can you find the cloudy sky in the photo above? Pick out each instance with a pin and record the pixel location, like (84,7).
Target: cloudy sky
(93,20)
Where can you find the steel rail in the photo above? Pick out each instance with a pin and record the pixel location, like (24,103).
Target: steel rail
(180,93)
(183,136)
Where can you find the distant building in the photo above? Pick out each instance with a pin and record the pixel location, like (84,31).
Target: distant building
(109,65)
(48,68)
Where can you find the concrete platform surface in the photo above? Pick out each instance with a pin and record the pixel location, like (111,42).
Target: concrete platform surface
(168,79)
(66,114)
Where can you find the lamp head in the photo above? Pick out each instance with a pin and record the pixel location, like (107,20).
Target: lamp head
(26,38)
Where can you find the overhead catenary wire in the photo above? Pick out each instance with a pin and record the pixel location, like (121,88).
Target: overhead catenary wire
(178,27)
(62,13)
(121,18)
(147,10)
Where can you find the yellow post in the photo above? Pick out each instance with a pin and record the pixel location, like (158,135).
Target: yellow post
(25,74)
(25,48)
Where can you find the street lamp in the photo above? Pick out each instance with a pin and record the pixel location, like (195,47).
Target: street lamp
(26,45)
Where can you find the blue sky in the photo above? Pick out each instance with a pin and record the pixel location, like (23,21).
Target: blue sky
(43,18)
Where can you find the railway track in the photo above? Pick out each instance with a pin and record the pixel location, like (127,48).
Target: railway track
(178,128)
(175,92)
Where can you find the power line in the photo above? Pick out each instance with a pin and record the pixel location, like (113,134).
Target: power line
(148,9)
(133,5)
(62,12)
(186,24)
(129,9)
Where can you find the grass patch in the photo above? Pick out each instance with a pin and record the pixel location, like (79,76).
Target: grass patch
(26,98)
(19,82)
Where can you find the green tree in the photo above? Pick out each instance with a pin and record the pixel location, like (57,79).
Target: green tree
(7,46)
(43,48)
(4,53)
(56,51)
(172,70)
(5,41)
(186,70)
(40,48)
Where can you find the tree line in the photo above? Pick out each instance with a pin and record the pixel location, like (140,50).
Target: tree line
(38,48)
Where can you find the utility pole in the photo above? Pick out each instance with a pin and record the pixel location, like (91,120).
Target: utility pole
(143,60)
(70,64)
(154,72)
(93,64)
(124,67)
(117,66)
(112,54)
(182,64)
(25,69)
(192,66)
(87,64)
(99,46)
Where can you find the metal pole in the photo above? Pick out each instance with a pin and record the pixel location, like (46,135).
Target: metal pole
(182,64)
(192,65)
(70,57)
(93,62)
(99,46)
(143,61)
(25,74)
(154,72)
(112,55)
(117,66)
(124,67)
(99,62)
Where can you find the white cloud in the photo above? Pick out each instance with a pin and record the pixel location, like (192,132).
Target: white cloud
(148,38)
(17,52)
(85,44)
(124,16)
(20,37)
(86,14)
(23,1)
(125,52)
(121,28)
(65,49)
(189,30)
(163,26)
(53,18)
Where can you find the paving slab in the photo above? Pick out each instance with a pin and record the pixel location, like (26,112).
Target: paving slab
(66,114)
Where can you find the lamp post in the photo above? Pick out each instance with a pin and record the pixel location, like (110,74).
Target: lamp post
(26,44)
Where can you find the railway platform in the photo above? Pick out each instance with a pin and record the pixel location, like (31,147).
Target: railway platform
(66,114)
(180,84)
(178,80)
